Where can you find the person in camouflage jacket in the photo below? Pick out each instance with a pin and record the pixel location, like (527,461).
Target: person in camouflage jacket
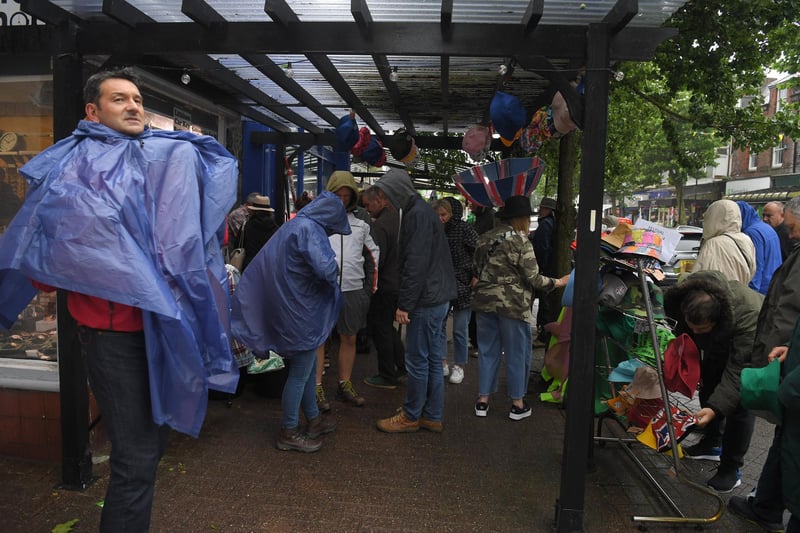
(506,276)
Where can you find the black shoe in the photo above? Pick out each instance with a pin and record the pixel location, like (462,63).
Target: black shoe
(726,479)
(701,450)
(743,508)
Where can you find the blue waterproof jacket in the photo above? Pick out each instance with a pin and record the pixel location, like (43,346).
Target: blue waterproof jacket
(767,244)
(288,299)
(135,220)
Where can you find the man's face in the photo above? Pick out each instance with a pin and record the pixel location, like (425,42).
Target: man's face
(373,204)
(344,194)
(792,224)
(772,215)
(119,107)
(700,329)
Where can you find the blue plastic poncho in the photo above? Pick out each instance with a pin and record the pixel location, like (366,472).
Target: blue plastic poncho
(135,220)
(288,299)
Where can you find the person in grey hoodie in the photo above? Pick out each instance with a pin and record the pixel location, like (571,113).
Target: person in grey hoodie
(427,285)
(724,247)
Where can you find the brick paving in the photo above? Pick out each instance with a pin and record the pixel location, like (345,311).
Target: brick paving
(481,474)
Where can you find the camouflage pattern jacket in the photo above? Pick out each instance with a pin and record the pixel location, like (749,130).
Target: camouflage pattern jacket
(507,273)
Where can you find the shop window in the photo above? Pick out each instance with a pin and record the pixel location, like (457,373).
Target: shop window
(26,128)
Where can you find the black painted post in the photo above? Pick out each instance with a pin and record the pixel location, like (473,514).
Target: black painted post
(580,404)
(281,189)
(76,467)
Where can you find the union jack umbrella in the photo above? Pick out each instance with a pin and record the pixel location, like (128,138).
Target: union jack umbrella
(490,184)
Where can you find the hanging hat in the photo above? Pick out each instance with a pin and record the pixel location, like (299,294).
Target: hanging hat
(374,154)
(260,203)
(681,422)
(364,138)
(682,365)
(515,206)
(402,146)
(346,133)
(643,242)
(759,390)
(625,371)
(645,383)
(618,236)
(508,116)
(613,291)
(477,142)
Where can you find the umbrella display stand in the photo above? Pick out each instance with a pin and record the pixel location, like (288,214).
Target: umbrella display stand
(679,516)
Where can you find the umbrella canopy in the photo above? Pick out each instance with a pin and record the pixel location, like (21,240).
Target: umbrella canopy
(491,184)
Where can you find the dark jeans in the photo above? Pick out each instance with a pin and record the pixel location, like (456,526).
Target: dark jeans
(732,432)
(389,346)
(117,368)
(768,502)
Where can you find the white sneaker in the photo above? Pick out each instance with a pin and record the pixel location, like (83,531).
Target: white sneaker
(457,374)
(445,370)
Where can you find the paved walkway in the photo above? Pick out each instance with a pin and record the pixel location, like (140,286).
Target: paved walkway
(489,474)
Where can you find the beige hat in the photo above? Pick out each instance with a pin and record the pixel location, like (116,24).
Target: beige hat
(260,203)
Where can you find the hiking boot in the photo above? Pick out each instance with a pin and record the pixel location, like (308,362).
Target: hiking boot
(347,393)
(320,425)
(431,425)
(702,450)
(379,382)
(726,479)
(518,413)
(743,508)
(398,424)
(294,439)
(322,403)
(456,374)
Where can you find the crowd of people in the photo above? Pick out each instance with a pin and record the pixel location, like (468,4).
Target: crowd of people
(347,261)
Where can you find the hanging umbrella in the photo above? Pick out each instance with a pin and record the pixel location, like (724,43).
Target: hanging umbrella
(490,184)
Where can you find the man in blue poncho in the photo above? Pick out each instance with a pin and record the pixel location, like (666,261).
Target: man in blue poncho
(126,219)
(288,301)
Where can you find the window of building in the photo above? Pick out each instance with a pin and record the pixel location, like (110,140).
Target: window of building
(777,155)
(780,99)
(753,161)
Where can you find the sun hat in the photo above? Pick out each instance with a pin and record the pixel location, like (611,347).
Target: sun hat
(477,142)
(618,236)
(515,206)
(402,146)
(260,203)
(759,390)
(346,133)
(508,116)
(645,384)
(643,242)
(625,371)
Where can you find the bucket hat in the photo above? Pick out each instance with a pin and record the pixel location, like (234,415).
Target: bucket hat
(759,389)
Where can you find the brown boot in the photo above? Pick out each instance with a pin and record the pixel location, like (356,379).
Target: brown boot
(398,423)
(320,425)
(294,439)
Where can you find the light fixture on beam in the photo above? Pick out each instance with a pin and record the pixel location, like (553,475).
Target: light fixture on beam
(502,69)
(289,70)
(185,78)
(394,76)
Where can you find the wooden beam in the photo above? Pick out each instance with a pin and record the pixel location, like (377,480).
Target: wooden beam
(202,13)
(125,13)
(280,12)
(622,13)
(360,11)
(444,82)
(446,21)
(532,16)
(47,12)
(385,71)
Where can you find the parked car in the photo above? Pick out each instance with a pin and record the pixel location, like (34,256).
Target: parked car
(685,254)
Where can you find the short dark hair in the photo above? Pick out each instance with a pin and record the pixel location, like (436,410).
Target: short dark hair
(700,307)
(91,90)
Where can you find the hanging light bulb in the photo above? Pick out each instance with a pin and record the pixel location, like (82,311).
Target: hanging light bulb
(289,70)
(185,78)
(619,75)
(394,76)
(502,69)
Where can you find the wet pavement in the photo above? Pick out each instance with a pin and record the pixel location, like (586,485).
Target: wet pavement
(480,474)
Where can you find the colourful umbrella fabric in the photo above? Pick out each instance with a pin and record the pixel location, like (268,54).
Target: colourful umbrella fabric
(492,183)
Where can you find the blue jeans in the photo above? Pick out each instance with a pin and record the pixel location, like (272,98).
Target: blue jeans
(424,353)
(460,335)
(300,389)
(498,337)
(116,364)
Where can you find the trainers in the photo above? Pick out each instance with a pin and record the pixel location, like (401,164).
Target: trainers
(320,425)
(398,423)
(457,374)
(347,393)
(518,413)
(703,451)
(481,408)
(431,425)
(322,403)
(743,508)
(294,439)
(445,370)
(725,480)
(379,382)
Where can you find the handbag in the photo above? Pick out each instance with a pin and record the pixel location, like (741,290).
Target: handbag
(236,257)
